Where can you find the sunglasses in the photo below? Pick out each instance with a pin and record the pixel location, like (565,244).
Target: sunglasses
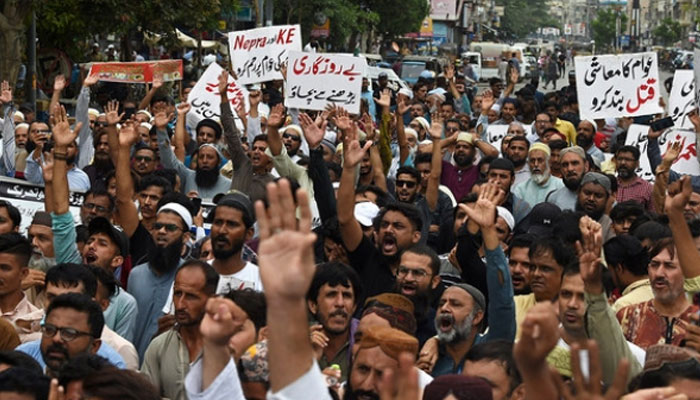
(407,184)
(168,227)
(293,137)
(93,206)
(452,129)
(143,158)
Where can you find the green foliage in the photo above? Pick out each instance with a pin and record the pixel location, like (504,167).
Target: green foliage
(522,17)
(668,32)
(603,27)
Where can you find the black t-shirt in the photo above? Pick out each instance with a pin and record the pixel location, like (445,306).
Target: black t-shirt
(139,244)
(374,272)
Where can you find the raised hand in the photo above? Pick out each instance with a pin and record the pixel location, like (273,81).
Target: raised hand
(254,98)
(652,134)
(182,109)
(62,134)
(428,355)
(112,112)
(672,153)
(319,340)
(313,133)
(402,383)
(5,93)
(283,70)
(484,213)
(157,81)
(222,320)
(161,119)
(90,80)
(342,120)
(514,76)
(276,117)
(487,101)
(47,168)
(678,195)
(56,391)
(402,106)
(223,84)
(384,99)
(539,334)
(353,153)
(285,241)
(589,251)
(436,127)
(128,134)
(449,72)
(59,83)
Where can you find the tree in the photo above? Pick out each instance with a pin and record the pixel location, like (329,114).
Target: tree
(522,17)
(12,28)
(668,32)
(604,27)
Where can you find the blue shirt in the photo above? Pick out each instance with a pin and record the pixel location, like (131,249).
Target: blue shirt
(33,349)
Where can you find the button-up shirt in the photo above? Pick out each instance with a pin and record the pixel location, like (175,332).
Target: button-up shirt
(166,364)
(638,190)
(24,310)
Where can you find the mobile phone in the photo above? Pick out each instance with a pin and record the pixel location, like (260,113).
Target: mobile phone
(197,204)
(662,124)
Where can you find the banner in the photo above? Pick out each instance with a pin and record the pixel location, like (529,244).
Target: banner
(682,98)
(314,80)
(618,85)
(138,72)
(256,54)
(205,99)
(29,199)
(687,162)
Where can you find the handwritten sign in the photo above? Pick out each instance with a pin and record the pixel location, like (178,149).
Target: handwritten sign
(138,72)
(618,85)
(315,80)
(687,162)
(495,135)
(205,99)
(257,54)
(29,199)
(682,99)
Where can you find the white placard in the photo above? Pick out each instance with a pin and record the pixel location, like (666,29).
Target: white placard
(315,80)
(687,162)
(495,135)
(256,54)
(682,99)
(205,99)
(618,85)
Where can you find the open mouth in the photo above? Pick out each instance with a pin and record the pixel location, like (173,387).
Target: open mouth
(389,245)
(90,258)
(445,323)
(408,289)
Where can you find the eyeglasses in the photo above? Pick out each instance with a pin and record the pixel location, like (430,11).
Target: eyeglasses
(408,184)
(67,334)
(452,129)
(542,121)
(418,273)
(143,158)
(293,137)
(93,206)
(168,227)
(45,132)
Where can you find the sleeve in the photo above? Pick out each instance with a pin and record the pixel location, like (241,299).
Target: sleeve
(226,386)
(385,142)
(8,143)
(167,157)
(32,172)
(653,154)
(323,188)
(311,385)
(473,269)
(127,319)
(603,327)
(87,149)
(501,306)
(253,128)
(483,120)
(64,238)
(150,367)
(242,168)
(284,165)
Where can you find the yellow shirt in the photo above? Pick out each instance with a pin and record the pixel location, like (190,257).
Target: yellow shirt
(567,128)
(523,303)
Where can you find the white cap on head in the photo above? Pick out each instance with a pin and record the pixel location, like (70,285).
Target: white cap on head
(19,114)
(180,210)
(507,216)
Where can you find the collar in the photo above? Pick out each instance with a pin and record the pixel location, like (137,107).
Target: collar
(636,285)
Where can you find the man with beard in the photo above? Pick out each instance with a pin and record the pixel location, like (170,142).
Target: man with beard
(573,167)
(40,236)
(541,182)
(460,178)
(332,300)
(517,152)
(417,278)
(398,226)
(170,354)
(460,315)
(593,196)
(14,256)
(585,136)
(151,281)
(501,174)
(145,160)
(407,191)
(206,179)
(629,185)
(102,163)
(509,110)
(97,203)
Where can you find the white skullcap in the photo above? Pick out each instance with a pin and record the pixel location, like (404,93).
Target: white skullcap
(93,111)
(406,92)
(496,108)
(423,122)
(19,114)
(507,216)
(22,125)
(293,127)
(146,113)
(180,210)
(412,132)
(146,125)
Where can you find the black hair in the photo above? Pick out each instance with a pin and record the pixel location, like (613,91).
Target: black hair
(410,171)
(81,234)
(383,197)
(334,273)
(627,250)
(523,139)
(613,182)
(211,277)
(502,352)
(105,278)
(557,144)
(12,212)
(448,103)
(81,303)
(694,226)
(661,245)
(330,229)
(629,149)
(423,158)
(335,167)
(101,192)
(16,358)
(169,174)
(81,366)
(253,303)
(565,226)
(626,209)
(549,117)
(523,240)
(154,180)
(408,210)
(17,245)
(562,253)
(494,81)
(72,275)
(651,230)
(548,104)
(24,381)
(455,121)
(259,138)
(423,250)
(119,384)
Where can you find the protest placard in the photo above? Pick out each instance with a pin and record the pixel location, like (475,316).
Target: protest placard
(314,80)
(29,199)
(682,98)
(495,135)
(205,99)
(257,54)
(617,85)
(687,162)
(138,72)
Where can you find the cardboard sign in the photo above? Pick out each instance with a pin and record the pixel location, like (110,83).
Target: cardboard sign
(257,54)
(682,99)
(205,99)
(29,199)
(138,72)
(314,80)
(618,85)
(687,162)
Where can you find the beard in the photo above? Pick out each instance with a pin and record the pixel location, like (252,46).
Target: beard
(464,159)
(351,394)
(517,163)
(572,183)
(206,177)
(541,178)
(41,263)
(70,160)
(595,215)
(52,363)
(102,161)
(584,141)
(420,300)
(458,332)
(225,253)
(165,259)
(625,173)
